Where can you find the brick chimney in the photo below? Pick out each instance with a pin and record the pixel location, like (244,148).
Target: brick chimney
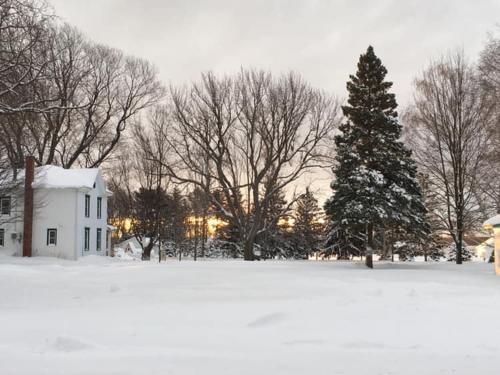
(29,176)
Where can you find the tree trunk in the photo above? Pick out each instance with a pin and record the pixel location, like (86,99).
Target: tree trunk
(248,250)
(369,247)
(459,247)
(146,252)
(196,237)
(204,234)
(385,245)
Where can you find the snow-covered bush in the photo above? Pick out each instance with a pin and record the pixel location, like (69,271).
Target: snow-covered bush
(406,250)
(451,252)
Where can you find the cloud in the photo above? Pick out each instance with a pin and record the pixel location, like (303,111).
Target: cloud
(320,39)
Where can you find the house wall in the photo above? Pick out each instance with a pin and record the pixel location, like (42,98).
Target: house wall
(54,208)
(91,222)
(496,232)
(13,226)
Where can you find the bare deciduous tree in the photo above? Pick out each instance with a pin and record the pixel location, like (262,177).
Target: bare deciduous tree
(489,71)
(232,134)
(449,133)
(140,182)
(23,29)
(92,93)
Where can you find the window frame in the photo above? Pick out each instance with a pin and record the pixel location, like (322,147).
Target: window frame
(98,244)
(99,207)
(49,231)
(5,198)
(87,205)
(2,237)
(86,239)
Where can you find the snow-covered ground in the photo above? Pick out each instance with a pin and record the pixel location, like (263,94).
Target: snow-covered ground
(102,316)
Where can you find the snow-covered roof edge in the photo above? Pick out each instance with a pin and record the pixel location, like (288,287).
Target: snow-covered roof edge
(492,222)
(54,177)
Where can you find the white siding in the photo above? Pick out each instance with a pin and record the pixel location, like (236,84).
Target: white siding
(91,222)
(54,208)
(13,226)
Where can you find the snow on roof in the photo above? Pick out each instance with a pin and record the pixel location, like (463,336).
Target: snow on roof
(51,176)
(492,222)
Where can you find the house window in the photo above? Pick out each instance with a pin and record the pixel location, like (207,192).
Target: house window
(51,237)
(87,205)
(2,237)
(98,239)
(5,205)
(99,207)
(86,240)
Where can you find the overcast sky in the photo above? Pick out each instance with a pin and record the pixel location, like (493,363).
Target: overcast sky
(320,39)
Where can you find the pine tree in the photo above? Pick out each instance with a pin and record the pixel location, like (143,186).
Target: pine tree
(227,237)
(149,208)
(177,211)
(199,209)
(307,228)
(344,241)
(274,240)
(375,178)
(433,246)
(451,253)
(436,252)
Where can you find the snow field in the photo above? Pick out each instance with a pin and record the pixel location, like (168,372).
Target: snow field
(101,316)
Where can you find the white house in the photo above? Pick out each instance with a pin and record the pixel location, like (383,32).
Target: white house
(69,214)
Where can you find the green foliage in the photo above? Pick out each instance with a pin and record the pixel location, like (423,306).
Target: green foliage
(451,252)
(375,176)
(307,229)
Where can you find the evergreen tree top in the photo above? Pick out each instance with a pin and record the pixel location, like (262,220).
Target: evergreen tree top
(368,88)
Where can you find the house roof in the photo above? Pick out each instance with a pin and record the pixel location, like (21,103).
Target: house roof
(493,222)
(51,176)
(54,177)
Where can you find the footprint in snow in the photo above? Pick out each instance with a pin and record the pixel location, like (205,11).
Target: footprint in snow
(71,344)
(114,288)
(267,320)
(364,345)
(303,342)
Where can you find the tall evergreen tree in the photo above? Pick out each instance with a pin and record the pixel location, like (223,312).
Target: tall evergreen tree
(227,237)
(273,239)
(307,229)
(344,241)
(177,211)
(375,178)
(199,208)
